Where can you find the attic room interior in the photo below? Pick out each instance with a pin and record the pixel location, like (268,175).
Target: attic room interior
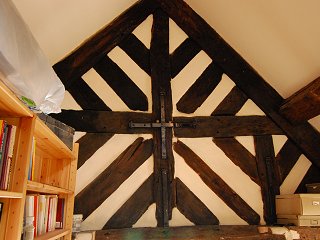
(191,118)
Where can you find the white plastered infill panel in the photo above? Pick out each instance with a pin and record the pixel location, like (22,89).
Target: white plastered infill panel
(69,102)
(178,219)
(176,36)
(315,122)
(187,76)
(215,98)
(278,142)
(215,158)
(148,219)
(250,108)
(97,219)
(78,135)
(192,180)
(104,91)
(133,71)
(143,31)
(247,142)
(103,157)
(295,176)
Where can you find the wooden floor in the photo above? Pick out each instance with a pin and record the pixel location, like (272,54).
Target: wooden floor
(194,232)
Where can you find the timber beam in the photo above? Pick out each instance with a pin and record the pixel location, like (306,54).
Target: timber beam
(92,50)
(304,104)
(243,75)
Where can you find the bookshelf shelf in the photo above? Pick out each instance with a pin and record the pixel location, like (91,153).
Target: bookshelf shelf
(8,194)
(33,186)
(54,169)
(54,234)
(10,105)
(49,142)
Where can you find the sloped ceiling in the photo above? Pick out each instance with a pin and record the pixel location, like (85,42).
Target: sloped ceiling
(280,39)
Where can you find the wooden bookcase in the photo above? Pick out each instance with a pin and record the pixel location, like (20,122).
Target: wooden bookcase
(55,171)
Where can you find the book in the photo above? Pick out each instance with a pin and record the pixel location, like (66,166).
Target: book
(1,208)
(8,169)
(35,214)
(3,143)
(47,211)
(32,159)
(2,126)
(29,206)
(41,215)
(28,220)
(4,156)
(59,213)
(54,214)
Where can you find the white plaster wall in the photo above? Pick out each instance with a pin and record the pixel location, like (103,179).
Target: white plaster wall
(65,24)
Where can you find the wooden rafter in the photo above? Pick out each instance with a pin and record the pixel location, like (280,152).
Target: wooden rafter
(217,185)
(226,126)
(131,211)
(89,144)
(137,51)
(244,76)
(104,121)
(304,104)
(92,50)
(121,84)
(160,78)
(192,207)
(231,104)
(86,97)
(267,170)
(200,90)
(215,126)
(95,193)
(287,158)
(182,55)
(240,156)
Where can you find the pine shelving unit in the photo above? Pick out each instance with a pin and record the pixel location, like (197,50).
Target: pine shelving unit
(54,173)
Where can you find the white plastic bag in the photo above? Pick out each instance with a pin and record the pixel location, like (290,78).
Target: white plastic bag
(25,67)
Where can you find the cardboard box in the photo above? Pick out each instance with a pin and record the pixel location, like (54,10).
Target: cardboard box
(298,204)
(298,220)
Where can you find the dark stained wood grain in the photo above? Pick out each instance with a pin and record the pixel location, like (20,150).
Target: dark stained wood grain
(240,156)
(95,193)
(216,184)
(86,97)
(160,78)
(200,89)
(306,232)
(89,144)
(287,158)
(304,104)
(137,51)
(244,76)
(311,176)
(182,55)
(229,232)
(226,126)
(131,211)
(231,104)
(92,50)
(268,178)
(192,207)
(104,121)
(123,86)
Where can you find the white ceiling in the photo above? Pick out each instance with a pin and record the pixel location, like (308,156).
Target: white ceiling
(280,39)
